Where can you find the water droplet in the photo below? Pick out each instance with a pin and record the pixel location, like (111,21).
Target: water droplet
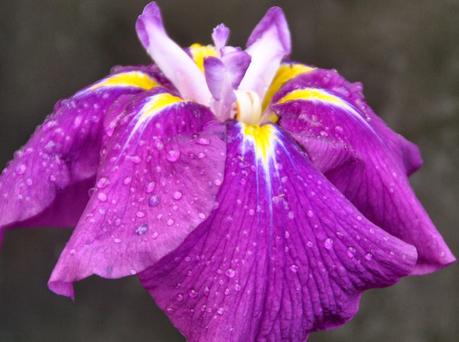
(369,256)
(203,141)
(173,155)
(21,169)
(310,213)
(116,240)
(202,215)
(230,273)
(291,215)
(294,268)
(154,201)
(309,244)
(193,293)
(142,229)
(180,297)
(220,311)
(101,196)
(154,235)
(328,244)
(177,195)
(170,222)
(201,155)
(140,214)
(127,180)
(102,182)
(150,187)
(237,287)
(29,181)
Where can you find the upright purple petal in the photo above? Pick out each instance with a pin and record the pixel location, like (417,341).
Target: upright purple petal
(160,171)
(47,182)
(220,35)
(173,61)
(268,44)
(283,255)
(361,157)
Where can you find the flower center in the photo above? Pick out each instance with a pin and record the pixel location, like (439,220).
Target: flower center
(248,107)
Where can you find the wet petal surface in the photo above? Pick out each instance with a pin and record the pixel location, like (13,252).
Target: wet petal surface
(47,181)
(284,254)
(161,169)
(362,157)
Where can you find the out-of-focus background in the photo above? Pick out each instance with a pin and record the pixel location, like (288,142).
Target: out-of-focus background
(405,52)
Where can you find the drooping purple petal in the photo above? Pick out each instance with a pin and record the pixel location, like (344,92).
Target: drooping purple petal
(407,152)
(173,61)
(46,183)
(268,44)
(283,255)
(363,159)
(161,169)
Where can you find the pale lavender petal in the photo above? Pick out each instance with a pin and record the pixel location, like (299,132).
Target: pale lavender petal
(173,61)
(368,163)
(160,172)
(236,62)
(220,35)
(268,44)
(283,255)
(219,81)
(46,183)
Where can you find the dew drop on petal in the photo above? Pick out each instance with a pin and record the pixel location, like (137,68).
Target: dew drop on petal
(328,244)
(203,141)
(21,169)
(102,182)
(142,229)
(177,195)
(369,256)
(230,273)
(294,268)
(173,155)
(150,187)
(170,222)
(154,201)
(310,213)
(101,196)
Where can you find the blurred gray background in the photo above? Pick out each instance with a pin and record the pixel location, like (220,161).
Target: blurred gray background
(405,52)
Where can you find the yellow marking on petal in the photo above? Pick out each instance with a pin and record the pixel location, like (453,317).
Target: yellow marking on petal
(200,52)
(156,104)
(314,94)
(135,79)
(262,138)
(285,73)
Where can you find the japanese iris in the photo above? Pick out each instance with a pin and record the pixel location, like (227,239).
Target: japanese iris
(255,198)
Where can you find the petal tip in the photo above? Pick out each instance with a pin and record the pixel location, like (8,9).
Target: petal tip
(62,288)
(275,16)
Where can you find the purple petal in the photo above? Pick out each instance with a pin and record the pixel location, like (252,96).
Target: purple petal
(366,161)
(173,61)
(160,172)
(407,152)
(283,255)
(220,35)
(236,62)
(268,44)
(46,183)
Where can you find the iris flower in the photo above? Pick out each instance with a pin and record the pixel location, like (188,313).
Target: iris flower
(255,198)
